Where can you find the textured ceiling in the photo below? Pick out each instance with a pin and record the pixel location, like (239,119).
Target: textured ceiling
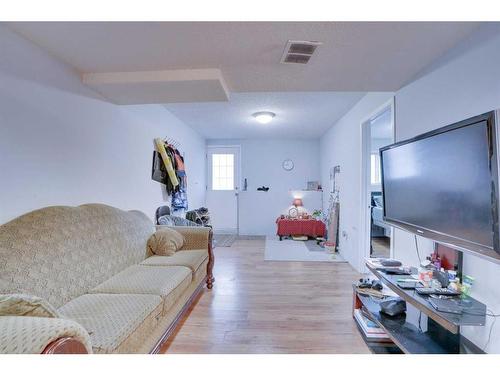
(298,114)
(355,56)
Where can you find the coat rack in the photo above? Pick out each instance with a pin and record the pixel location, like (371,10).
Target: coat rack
(172,141)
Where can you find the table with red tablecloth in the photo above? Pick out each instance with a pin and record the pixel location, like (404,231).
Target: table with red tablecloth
(300,227)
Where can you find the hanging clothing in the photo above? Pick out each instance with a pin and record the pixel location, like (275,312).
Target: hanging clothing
(179,197)
(179,161)
(167,161)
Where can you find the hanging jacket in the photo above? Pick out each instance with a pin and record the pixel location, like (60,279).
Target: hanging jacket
(179,161)
(179,197)
(167,160)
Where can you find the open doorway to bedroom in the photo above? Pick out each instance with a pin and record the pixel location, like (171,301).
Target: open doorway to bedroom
(378,131)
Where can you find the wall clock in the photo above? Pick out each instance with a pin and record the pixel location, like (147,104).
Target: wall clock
(287,164)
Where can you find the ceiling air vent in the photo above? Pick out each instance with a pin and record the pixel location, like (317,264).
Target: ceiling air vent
(299,51)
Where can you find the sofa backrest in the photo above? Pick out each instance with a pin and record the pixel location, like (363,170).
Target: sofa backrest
(59,253)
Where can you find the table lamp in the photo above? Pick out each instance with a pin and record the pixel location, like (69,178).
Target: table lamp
(297,202)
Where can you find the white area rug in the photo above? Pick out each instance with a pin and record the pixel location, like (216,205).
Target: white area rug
(290,250)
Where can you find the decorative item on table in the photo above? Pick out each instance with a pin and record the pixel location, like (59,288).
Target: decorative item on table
(293,213)
(312,185)
(317,214)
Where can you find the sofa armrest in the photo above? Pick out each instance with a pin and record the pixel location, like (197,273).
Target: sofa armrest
(196,238)
(35,335)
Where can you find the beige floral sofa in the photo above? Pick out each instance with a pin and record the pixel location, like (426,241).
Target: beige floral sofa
(92,265)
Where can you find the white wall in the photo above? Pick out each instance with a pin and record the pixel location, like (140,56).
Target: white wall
(341,145)
(60,144)
(261,164)
(462,84)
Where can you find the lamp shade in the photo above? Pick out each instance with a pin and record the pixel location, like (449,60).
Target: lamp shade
(297,202)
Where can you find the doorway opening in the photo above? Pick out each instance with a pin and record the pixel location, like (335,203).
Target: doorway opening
(377,132)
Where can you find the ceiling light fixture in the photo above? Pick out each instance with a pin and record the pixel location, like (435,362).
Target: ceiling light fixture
(264,117)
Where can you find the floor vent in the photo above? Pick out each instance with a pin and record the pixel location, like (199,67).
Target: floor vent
(299,51)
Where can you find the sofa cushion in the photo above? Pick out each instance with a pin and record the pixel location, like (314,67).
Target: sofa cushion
(167,282)
(111,318)
(187,258)
(165,242)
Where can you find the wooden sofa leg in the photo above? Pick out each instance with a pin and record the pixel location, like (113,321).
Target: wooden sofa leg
(65,345)
(211,261)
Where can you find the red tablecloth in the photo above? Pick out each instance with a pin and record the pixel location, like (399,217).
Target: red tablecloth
(301,227)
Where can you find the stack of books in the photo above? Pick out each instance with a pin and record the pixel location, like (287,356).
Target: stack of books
(370,329)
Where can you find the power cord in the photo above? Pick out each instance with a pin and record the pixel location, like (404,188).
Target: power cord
(490,314)
(491,329)
(416,247)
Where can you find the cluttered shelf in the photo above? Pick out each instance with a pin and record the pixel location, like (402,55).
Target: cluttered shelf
(450,321)
(410,320)
(406,336)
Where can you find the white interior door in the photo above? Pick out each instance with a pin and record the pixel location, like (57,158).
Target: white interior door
(223,164)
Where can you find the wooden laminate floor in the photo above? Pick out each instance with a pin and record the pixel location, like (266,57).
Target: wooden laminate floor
(381,247)
(259,306)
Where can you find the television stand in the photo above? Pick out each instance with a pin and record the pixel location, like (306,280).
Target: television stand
(439,332)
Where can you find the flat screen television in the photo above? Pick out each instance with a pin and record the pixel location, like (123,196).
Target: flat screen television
(443,185)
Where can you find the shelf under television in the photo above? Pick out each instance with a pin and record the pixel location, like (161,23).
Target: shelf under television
(451,322)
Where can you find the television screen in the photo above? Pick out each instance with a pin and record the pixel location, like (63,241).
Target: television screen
(443,184)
